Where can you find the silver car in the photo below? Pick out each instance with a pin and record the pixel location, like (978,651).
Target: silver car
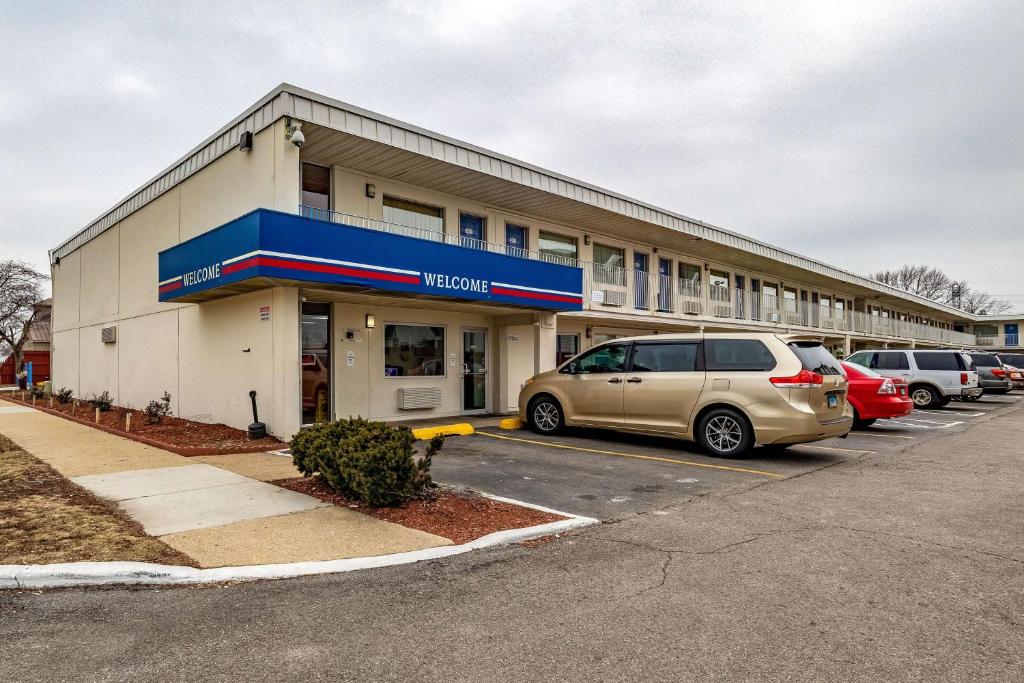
(935,377)
(992,374)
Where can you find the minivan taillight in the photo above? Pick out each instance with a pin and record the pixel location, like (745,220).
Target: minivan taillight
(805,379)
(887,387)
(963,378)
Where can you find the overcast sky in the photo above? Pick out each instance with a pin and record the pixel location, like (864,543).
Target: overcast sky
(866,134)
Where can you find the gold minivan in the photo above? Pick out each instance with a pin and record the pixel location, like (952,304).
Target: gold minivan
(727,391)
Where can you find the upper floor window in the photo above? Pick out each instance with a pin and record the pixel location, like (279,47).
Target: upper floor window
(689,279)
(557,248)
(608,264)
(316,186)
(413,214)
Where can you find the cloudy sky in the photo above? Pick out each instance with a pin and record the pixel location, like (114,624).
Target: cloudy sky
(867,134)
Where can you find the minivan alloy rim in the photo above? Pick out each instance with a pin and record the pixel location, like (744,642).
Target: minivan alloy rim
(545,416)
(724,433)
(922,397)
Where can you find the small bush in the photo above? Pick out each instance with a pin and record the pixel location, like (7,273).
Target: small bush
(63,396)
(156,411)
(371,462)
(103,401)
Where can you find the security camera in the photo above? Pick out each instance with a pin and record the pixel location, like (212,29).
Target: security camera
(295,134)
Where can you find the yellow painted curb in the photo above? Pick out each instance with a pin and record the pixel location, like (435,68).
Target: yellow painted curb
(460,429)
(511,423)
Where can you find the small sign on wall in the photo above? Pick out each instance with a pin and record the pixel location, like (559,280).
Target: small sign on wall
(350,359)
(511,338)
(264,313)
(451,359)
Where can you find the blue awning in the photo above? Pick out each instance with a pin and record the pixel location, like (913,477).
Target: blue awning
(265,247)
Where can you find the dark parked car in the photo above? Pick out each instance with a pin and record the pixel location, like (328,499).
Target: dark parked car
(992,376)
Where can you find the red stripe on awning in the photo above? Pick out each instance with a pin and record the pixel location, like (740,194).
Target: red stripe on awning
(170,286)
(537,295)
(320,268)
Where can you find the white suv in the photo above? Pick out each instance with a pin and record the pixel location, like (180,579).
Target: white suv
(935,377)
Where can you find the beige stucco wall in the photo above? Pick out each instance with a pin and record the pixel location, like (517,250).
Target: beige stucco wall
(192,351)
(362,389)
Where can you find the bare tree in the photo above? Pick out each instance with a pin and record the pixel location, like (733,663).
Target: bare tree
(21,286)
(932,283)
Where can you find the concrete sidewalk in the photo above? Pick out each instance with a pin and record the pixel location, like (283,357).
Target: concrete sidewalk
(219,510)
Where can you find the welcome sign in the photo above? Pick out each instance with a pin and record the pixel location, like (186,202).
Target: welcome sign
(271,244)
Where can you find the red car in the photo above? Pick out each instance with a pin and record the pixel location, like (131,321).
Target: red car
(875,396)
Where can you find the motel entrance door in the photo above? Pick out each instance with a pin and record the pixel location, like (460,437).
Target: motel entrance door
(316,362)
(474,371)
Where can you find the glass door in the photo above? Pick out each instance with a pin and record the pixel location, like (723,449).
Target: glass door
(316,362)
(474,370)
(641,297)
(471,231)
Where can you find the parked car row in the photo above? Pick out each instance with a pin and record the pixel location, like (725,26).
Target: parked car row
(728,391)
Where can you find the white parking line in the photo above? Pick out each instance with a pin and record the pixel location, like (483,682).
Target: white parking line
(933,425)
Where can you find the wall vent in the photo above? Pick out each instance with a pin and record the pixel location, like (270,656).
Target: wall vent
(108,335)
(418,398)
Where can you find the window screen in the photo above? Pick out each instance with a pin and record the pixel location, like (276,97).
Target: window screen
(737,354)
(668,357)
(413,351)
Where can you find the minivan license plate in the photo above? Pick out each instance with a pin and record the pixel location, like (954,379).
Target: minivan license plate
(833,400)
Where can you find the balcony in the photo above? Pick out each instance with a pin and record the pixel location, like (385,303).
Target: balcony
(626,291)
(998,341)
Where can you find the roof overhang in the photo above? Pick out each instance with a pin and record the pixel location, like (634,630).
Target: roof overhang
(355,137)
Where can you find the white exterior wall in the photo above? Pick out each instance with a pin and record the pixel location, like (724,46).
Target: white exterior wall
(193,351)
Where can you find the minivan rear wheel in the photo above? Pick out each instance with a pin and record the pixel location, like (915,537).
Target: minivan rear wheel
(545,415)
(725,433)
(924,396)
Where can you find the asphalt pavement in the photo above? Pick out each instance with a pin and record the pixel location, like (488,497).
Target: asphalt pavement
(896,559)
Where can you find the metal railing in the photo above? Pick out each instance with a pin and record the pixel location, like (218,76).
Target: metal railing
(661,295)
(613,288)
(999,341)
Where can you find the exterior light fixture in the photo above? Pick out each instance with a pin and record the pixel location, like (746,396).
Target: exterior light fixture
(371,322)
(590,332)
(586,239)
(371,190)
(245,141)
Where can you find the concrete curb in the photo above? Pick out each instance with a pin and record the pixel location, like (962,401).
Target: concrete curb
(81,574)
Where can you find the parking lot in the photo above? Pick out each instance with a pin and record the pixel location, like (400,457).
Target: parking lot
(611,475)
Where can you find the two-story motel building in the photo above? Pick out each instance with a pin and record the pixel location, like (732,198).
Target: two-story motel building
(387,271)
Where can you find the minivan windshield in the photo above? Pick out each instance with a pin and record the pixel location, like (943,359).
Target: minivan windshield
(816,358)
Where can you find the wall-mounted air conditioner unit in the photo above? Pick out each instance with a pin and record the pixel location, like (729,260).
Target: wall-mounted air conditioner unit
(418,398)
(614,297)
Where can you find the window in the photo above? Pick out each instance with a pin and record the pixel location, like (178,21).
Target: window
(890,360)
(568,345)
(472,231)
(557,248)
(316,186)
(603,359)
(986,360)
(413,215)
(986,330)
(737,354)
(667,357)
(608,265)
(600,338)
(947,360)
(689,279)
(516,240)
(816,358)
(789,299)
(413,351)
(861,358)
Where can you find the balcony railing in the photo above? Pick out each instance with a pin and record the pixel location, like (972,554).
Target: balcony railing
(607,287)
(999,341)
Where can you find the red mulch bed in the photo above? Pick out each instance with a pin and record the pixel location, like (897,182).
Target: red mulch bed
(458,516)
(183,437)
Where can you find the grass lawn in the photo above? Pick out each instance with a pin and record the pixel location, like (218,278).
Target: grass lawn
(45,518)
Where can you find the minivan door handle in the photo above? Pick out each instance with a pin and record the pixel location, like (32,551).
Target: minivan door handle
(634,380)
(615,380)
